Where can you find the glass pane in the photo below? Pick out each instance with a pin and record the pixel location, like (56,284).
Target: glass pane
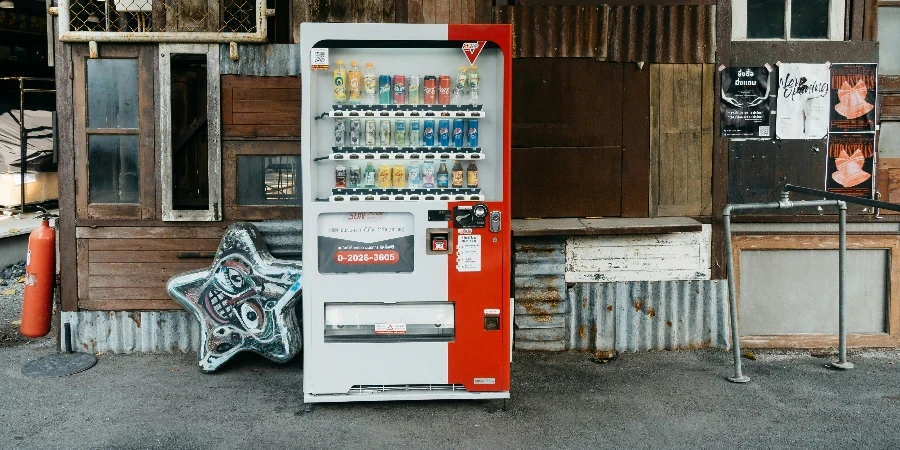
(268,180)
(190,150)
(809,19)
(889,38)
(113,175)
(112,93)
(765,19)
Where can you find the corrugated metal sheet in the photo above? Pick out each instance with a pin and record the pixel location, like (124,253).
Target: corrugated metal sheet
(649,33)
(551,31)
(133,331)
(540,294)
(284,238)
(268,60)
(662,34)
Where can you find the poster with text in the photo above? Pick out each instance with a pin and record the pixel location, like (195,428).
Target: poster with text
(744,102)
(365,242)
(853,98)
(851,164)
(802,101)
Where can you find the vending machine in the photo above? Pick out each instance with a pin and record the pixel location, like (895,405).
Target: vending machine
(406,211)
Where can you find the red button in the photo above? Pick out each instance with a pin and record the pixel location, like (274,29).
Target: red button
(438,245)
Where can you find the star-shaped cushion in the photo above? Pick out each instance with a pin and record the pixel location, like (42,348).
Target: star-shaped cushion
(244,301)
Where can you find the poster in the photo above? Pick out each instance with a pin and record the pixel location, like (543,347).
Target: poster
(853,96)
(803,101)
(365,242)
(851,164)
(744,102)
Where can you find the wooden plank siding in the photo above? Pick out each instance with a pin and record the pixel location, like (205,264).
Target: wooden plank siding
(126,268)
(681,139)
(260,107)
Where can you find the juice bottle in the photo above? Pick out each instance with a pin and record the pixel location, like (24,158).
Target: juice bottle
(370,176)
(443,178)
(472,175)
(340,88)
(456,179)
(370,85)
(473,85)
(459,89)
(355,79)
(384,176)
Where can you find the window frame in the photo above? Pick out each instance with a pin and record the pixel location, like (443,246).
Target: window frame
(164,136)
(146,206)
(256,147)
(836,12)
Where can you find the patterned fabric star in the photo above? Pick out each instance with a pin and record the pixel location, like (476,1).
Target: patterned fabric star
(244,301)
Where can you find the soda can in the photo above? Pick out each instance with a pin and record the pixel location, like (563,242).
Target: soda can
(384,133)
(415,134)
(429,93)
(444,90)
(339,132)
(354,176)
(428,174)
(473,133)
(400,133)
(384,89)
(399,90)
(340,176)
(412,175)
(443,133)
(384,176)
(354,132)
(398,173)
(458,133)
(370,132)
(428,133)
(413,90)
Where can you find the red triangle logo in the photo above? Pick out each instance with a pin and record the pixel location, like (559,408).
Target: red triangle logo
(472,50)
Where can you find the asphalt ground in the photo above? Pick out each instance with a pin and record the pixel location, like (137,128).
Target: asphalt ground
(660,400)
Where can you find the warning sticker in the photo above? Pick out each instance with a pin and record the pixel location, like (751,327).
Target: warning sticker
(390,328)
(468,253)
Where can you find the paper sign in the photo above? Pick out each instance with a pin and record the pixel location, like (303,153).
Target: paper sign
(803,100)
(468,253)
(319,59)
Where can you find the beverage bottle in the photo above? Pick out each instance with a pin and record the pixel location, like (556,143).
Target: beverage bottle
(472,175)
(384,89)
(459,89)
(354,132)
(353,177)
(457,175)
(443,177)
(340,131)
(355,80)
(412,175)
(340,176)
(399,176)
(370,176)
(413,89)
(428,174)
(384,176)
(370,85)
(429,90)
(340,88)
(473,85)
(400,133)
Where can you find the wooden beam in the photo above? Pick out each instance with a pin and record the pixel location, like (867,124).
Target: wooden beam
(66,157)
(720,144)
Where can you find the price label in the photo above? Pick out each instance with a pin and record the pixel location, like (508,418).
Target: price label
(367,257)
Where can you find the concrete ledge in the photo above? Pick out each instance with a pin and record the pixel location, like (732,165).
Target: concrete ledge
(597,227)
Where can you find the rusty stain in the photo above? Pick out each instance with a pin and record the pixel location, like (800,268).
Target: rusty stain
(609,308)
(538,308)
(534,249)
(544,318)
(651,312)
(136,318)
(669,323)
(638,305)
(582,333)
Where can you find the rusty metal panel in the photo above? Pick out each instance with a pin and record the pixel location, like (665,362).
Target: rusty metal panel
(556,30)
(670,315)
(662,34)
(592,315)
(133,331)
(269,60)
(284,238)
(540,294)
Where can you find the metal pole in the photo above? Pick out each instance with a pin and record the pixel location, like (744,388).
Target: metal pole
(842,286)
(738,377)
(22,144)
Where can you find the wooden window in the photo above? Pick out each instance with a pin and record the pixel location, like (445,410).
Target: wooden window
(788,19)
(113,100)
(189,144)
(262,180)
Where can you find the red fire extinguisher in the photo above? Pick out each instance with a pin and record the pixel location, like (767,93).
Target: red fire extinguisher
(40,278)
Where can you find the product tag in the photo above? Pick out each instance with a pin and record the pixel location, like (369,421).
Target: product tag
(319,59)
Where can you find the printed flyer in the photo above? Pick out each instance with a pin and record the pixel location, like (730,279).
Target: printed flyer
(851,164)
(744,104)
(802,101)
(854,90)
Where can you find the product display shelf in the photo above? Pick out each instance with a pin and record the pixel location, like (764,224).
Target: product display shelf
(404,153)
(406,112)
(403,194)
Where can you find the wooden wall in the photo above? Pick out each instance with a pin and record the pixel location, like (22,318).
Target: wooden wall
(257,107)
(681,139)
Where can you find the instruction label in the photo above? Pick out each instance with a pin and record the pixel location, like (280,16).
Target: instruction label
(390,328)
(468,253)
